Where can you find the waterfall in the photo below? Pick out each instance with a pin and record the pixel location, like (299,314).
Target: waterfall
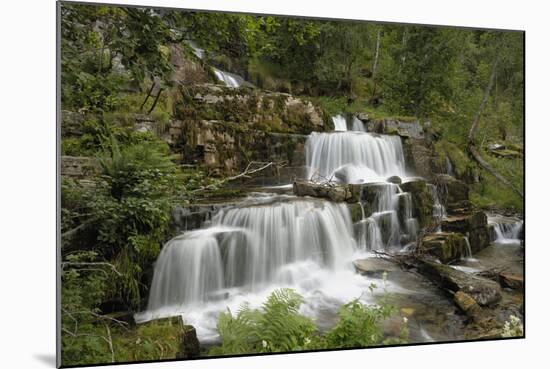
(249,247)
(354,157)
(439,211)
(391,222)
(339,123)
(230,80)
(506,230)
(449,166)
(358,125)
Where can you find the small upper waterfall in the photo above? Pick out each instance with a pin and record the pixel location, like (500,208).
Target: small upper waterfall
(506,230)
(230,79)
(354,157)
(357,125)
(339,123)
(251,247)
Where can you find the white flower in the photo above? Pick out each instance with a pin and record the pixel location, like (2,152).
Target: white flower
(307,341)
(405,320)
(264,343)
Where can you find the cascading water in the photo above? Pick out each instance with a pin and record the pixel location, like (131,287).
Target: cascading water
(506,230)
(275,241)
(280,241)
(357,125)
(230,80)
(354,157)
(391,222)
(339,123)
(439,211)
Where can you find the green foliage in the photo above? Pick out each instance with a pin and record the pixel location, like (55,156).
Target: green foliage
(278,327)
(358,325)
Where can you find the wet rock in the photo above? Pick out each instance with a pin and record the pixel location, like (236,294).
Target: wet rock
(472,224)
(375,266)
(447,247)
(510,280)
(422,201)
(337,193)
(484,291)
(467,304)
(394,179)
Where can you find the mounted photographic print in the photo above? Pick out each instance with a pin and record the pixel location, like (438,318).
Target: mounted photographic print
(235,184)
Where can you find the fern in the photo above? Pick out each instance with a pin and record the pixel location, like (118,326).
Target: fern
(276,327)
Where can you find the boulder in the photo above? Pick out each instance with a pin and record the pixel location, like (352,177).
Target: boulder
(472,224)
(445,246)
(375,266)
(336,193)
(484,291)
(510,280)
(394,179)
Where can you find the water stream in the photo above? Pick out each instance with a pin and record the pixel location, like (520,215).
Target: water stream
(269,241)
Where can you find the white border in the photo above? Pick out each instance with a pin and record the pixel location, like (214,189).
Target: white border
(27,151)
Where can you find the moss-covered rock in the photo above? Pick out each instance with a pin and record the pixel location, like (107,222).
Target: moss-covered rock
(445,246)
(266,111)
(422,201)
(454,189)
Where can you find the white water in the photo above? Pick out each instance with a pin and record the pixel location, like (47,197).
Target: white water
(357,125)
(339,123)
(354,157)
(275,241)
(249,251)
(230,80)
(507,230)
